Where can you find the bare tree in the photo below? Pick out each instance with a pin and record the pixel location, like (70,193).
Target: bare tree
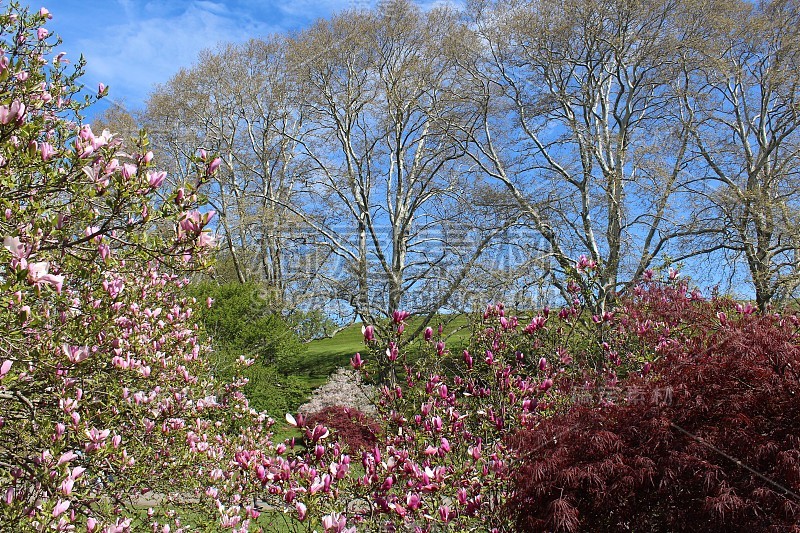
(577,120)
(388,182)
(743,101)
(237,102)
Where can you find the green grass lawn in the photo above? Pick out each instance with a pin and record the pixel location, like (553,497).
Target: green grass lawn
(324,356)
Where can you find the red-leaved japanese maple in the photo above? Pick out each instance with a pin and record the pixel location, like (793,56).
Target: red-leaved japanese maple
(710,440)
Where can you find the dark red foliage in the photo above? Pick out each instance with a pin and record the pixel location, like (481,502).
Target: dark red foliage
(664,458)
(352,427)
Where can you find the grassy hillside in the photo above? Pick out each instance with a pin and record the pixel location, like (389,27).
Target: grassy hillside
(324,356)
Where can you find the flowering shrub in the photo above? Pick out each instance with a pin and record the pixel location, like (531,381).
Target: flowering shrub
(105,391)
(344,388)
(708,440)
(442,460)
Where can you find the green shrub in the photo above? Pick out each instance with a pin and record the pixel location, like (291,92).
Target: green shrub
(241,323)
(241,320)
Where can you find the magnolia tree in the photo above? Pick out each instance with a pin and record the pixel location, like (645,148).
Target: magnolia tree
(105,394)
(440,457)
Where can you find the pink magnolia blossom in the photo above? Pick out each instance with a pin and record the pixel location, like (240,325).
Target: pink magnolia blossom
(334,522)
(584,263)
(97,436)
(392,352)
(213,166)
(76,354)
(369,333)
(8,114)
(5,367)
(155,179)
(205,239)
(301,510)
(66,486)
(47,151)
(129,170)
(15,246)
(38,275)
(42,33)
(60,507)
(400,316)
(66,457)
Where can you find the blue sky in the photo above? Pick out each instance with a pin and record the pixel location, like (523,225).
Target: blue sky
(130,45)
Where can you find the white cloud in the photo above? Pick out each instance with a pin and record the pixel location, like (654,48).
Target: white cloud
(131,56)
(132,45)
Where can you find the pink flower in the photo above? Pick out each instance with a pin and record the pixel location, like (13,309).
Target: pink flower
(101,90)
(205,239)
(413,501)
(42,33)
(155,179)
(66,457)
(5,367)
(60,507)
(97,436)
(400,316)
(47,151)
(584,263)
(468,359)
(75,354)
(66,486)
(213,166)
(128,170)
(445,445)
(15,246)
(91,524)
(38,276)
(356,361)
(45,13)
(15,112)
(369,333)
(334,522)
(428,334)
(105,252)
(301,510)
(392,352)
